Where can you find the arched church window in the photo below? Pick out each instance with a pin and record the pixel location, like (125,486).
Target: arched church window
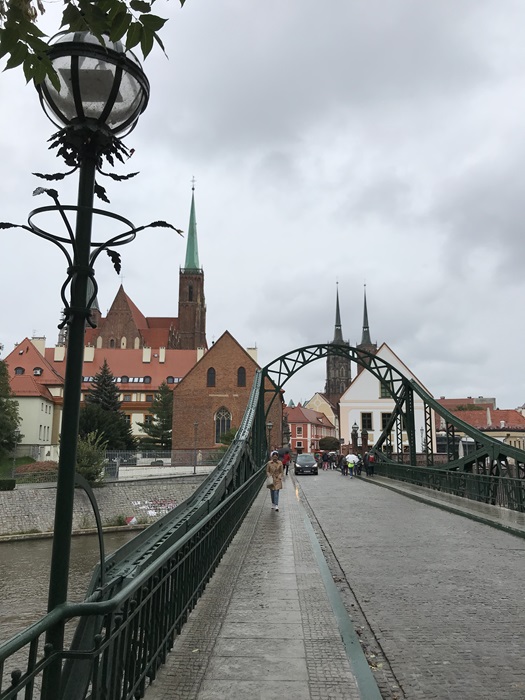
(223,422)
(112,343)
(241,376)
(210,377)
(190,292)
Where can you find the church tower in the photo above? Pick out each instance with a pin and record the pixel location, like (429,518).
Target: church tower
(366,342)
(191,332)
(338,369)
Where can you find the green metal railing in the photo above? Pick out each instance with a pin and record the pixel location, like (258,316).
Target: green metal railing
(126,627)
(495,490)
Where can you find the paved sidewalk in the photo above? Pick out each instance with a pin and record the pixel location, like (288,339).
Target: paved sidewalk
(510,521)
(270,624)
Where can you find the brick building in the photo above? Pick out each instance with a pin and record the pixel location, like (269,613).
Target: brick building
(212,397)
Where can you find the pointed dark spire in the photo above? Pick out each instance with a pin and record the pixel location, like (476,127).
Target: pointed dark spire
(338,335)
(192,249)
(365,340)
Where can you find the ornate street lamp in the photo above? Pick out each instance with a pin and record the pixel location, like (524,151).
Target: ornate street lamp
(101,92)
(269,426)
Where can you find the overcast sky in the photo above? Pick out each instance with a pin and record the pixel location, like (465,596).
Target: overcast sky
(355,141)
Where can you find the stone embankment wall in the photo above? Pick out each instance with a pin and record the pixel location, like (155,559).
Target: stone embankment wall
(32,510)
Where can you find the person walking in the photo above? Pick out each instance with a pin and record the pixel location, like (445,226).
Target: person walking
(286,462)
(274,469)
(325,460)
(351,460)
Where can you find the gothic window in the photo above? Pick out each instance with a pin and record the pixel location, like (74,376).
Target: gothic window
(19,370)
(190,293)
(223,422)
(137,343)
(112,343)
(241,377)
(210,377)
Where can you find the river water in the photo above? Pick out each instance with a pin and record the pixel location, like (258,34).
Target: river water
(24,576)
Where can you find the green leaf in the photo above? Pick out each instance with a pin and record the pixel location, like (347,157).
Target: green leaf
(8,39)
(41,71)
(159,42)
(18,56)
(152,22)
(146,42)
(29,68)
(71,17)
(140,6)
(134,35)
(120,26)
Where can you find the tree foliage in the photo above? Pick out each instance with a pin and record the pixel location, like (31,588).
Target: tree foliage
(103,390)
(9,418)
(111,426)
(129,21)
(329,443)
(159,429)
(91,453)
(101,413)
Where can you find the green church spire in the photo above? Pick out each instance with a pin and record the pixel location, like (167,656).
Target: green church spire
(192,249)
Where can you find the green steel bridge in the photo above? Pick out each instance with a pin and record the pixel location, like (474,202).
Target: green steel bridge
(140,597)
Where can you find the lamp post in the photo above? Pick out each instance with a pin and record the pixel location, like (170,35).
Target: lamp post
(195,429)
(269,426)
(355,435)
(102,94)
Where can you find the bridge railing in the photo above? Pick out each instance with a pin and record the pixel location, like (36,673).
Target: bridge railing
(139,624)
(139,599)
(496,490)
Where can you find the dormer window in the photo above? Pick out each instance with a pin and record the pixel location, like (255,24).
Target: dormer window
(124,379)
(19,370)
(37,371)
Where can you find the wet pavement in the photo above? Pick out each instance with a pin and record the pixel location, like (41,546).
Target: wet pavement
(433,598)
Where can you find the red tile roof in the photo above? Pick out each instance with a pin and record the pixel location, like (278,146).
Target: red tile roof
(298,414)
(26,355)
(129,363)
(27,385)
(491,419)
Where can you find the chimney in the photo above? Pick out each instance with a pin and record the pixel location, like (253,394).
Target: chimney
(489,419)
(89,353)
(146,354)
(40,344)
(60,353)
(200,353)
(502,424)
(252,352)
(162,355)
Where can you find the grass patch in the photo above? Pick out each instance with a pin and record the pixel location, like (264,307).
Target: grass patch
(7,464)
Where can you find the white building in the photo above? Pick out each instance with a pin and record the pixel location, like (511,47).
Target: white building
(367,404)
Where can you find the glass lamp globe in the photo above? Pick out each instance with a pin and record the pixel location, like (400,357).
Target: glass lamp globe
(101,85)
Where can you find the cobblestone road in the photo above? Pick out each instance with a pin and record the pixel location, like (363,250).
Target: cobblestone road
(442,594)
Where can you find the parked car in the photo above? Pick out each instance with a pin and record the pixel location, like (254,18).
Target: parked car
(305,464)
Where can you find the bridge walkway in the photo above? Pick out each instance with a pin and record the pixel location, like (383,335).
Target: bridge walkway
(273,622)
(266,626)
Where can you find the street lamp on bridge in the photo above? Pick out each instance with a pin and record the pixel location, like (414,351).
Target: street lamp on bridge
(269,426)
(97,96)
